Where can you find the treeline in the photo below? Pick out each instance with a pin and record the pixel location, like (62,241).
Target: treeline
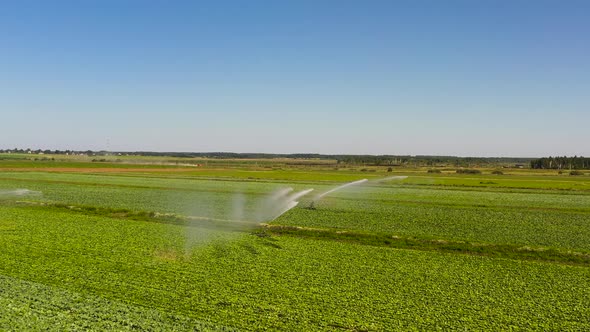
(39,151)
(574,162)
(368,160)
(433,161)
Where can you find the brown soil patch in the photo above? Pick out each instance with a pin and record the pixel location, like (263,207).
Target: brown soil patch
(168,255)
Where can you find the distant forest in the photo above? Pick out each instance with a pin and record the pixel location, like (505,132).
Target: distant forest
(369,160)
(561,163)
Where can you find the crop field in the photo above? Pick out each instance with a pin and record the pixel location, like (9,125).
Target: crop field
(119,245)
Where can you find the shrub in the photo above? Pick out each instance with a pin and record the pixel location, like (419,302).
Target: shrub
(498,172)
(468,171)
(389,169)
(576,173)
(434,171)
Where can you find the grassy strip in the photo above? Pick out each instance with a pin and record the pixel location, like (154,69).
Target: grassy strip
(120,185)
(496,207)
(387,240)
(496,187)
(148,216)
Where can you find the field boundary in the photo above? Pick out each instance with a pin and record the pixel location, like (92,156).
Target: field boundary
(510,251)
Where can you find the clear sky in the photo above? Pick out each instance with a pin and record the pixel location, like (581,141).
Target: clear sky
(467,78)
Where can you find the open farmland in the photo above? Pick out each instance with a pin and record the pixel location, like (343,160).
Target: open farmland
(113,246)
(295,166)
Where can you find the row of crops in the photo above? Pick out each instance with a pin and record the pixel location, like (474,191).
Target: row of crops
(30,306)
(532,218)
(284,282)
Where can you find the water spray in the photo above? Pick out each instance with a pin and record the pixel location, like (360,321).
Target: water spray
(209,220)
(312,204)
(289,206)
(288,203)
(18,193)
(397,177)
(280,194)
(298,195)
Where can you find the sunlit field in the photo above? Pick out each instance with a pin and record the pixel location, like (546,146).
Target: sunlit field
(248,246)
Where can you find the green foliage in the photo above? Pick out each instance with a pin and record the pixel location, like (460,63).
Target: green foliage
(116,251)
(468,171)
(275,283)
(425,244)
(574,162)
(530,183)
(534,218)
(30,306)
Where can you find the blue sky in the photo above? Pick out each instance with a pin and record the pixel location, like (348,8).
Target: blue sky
(468,78)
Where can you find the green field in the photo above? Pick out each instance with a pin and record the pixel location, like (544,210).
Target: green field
(122,245)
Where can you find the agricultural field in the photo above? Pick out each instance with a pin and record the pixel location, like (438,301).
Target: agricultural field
(136,245)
